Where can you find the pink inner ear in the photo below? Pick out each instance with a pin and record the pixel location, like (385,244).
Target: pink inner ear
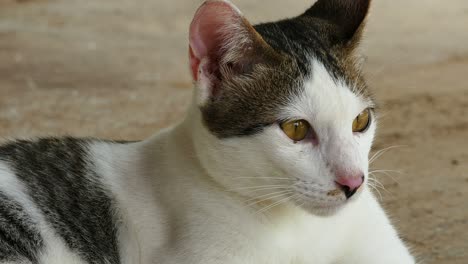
(209,30)
(194,64)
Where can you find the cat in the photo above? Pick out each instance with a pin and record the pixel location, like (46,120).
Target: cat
(270,165)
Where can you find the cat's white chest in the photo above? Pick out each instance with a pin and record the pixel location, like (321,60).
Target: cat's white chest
(309,239)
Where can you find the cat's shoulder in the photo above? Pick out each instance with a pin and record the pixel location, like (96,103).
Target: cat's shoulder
(53,149)
(57,159)
(41,148)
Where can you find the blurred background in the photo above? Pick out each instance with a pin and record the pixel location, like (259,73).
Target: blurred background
(118,69)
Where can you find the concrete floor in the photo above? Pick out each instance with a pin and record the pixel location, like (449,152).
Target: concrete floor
(118,69)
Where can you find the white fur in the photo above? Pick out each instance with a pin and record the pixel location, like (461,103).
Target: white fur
(187,197)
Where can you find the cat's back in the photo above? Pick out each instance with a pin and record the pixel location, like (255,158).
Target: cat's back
(56,201)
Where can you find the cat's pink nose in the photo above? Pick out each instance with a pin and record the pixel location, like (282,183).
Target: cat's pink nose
(350,184)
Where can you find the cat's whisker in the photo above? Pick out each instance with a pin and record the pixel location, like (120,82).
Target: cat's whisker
(302,203)
(275,178)
(385,174)
(254,201)
(268,194)
(380,194)
(295,201)
(261,187)
(263,210)
(379,153)
(377,184)
(376,189)
(396,171)
(375,173)
(373,179)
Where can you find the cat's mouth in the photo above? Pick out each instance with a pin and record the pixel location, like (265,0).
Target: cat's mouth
(323,201)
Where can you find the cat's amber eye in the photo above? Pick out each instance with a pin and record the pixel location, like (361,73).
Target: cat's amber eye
(296,130)
(362,121)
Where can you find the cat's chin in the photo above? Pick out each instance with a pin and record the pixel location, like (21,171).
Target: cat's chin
(322,209)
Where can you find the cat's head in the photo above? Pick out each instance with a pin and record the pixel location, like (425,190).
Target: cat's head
(283,112)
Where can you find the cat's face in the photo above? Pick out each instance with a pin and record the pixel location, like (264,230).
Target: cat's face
(284,114)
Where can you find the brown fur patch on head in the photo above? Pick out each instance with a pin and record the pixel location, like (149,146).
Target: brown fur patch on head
(330,31)
(248,102)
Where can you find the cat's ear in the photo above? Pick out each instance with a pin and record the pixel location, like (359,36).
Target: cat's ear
(223,45)
(344,19)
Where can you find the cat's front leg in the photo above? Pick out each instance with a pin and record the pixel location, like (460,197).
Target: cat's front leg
(374,240)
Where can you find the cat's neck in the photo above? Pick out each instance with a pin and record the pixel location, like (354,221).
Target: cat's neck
(175,154)
(187,153)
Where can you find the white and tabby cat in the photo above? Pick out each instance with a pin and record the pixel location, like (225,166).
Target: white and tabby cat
(269,166)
